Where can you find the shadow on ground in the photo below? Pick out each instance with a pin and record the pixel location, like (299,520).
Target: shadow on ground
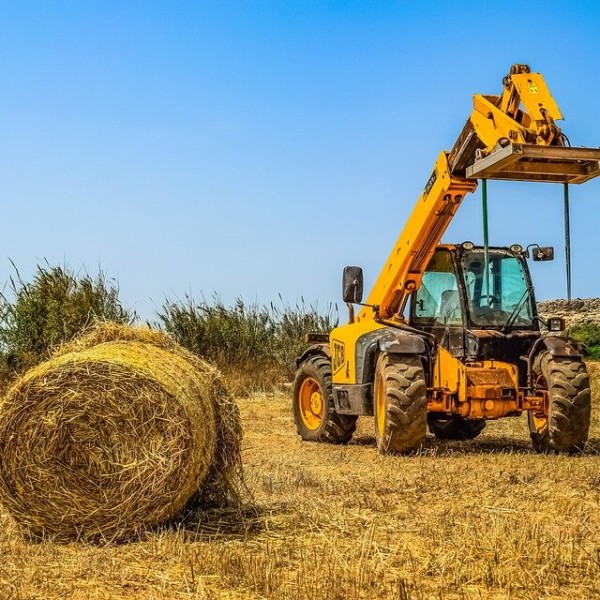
(485,445)
(229,523)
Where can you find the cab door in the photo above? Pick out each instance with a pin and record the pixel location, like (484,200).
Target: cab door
(438,306)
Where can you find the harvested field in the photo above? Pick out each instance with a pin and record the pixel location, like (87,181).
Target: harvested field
(483,519)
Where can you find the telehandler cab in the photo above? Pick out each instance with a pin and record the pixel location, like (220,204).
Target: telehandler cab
(449,336)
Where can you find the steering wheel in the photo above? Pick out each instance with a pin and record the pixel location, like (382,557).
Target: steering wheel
(493,300)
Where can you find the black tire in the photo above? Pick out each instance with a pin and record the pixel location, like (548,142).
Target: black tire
(455,427)
(326,426)
(568,384)
(400,403)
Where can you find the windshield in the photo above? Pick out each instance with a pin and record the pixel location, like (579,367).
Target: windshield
(499,296)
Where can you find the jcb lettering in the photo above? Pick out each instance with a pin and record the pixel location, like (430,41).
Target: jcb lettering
(339,356)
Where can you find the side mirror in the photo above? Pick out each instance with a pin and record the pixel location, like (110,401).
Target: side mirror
(352,285)
(542,253)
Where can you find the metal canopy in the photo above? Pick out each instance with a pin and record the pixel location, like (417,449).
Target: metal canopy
(528,162)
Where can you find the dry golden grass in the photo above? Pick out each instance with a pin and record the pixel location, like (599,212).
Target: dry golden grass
(483,519)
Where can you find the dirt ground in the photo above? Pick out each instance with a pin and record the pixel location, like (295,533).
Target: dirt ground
(481,519)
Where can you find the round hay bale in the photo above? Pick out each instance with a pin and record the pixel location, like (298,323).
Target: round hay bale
(115,434)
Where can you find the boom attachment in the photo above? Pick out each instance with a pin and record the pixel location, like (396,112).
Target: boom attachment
(527,162)
(514,136)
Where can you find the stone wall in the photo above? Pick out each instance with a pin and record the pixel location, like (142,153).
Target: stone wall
(579,310)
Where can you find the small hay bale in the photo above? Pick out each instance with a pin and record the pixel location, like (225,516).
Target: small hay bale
(115,434)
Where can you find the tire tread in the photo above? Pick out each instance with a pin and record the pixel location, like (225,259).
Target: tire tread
(570,399)
(406,406)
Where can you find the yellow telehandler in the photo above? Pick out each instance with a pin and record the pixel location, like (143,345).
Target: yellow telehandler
(449,336)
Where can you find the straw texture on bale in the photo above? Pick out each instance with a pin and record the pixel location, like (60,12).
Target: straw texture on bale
(115,434)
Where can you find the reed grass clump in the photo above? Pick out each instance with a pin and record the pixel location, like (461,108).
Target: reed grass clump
(115,434)
(56,305)
(254,345)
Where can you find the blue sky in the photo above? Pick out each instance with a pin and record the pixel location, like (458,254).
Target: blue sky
(254,148)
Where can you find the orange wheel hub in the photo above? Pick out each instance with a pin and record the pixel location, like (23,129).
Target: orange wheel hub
(540,423)
(312,406)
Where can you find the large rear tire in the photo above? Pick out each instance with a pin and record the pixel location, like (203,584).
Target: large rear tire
(455,427)
(400,399)
(566,427)
(314,416)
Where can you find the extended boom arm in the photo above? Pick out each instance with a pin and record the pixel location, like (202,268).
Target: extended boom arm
(417,242)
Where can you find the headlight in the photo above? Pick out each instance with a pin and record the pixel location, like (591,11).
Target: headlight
(556,324)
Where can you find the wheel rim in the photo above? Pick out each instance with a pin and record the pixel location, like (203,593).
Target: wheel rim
(538,425)
(311,403)
(381,406)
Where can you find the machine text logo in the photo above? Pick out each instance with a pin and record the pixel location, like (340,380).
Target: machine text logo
(339,356)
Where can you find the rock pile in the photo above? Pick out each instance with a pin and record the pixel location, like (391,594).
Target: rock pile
(578,310)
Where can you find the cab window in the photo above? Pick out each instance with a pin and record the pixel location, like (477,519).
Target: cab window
(437,301)
(498,294)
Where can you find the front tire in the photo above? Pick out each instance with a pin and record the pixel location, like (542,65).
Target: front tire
(313,404)
(566,427)
(400,399)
